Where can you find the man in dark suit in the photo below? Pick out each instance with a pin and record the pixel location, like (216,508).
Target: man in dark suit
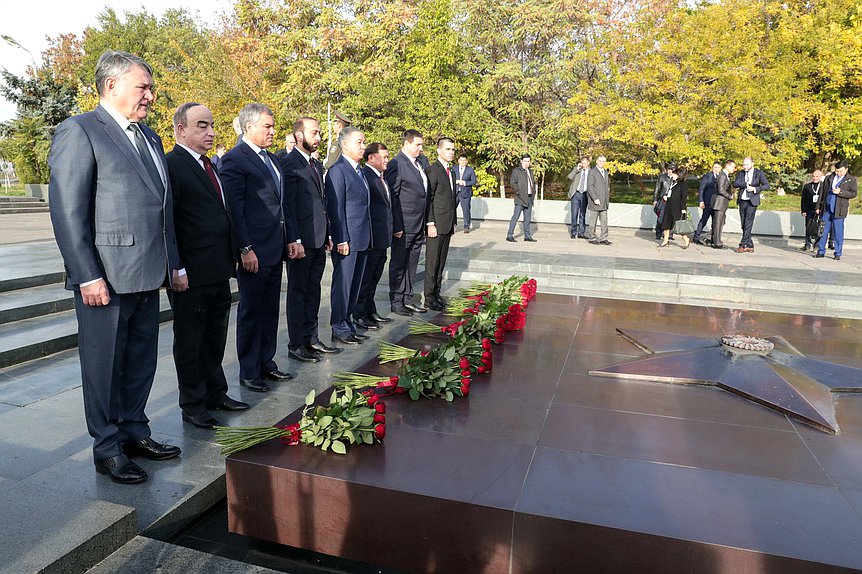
(216,160)
(303,197)
(408,185)
(748,183)
(524,185)
(465,179)
(348,205)
(811,193)
(365,313)
(662,186)
(265,235)
(206,250)
(705,191)
(721,201)
(578,198)
(440,221)
(111,209)
(839,188)
(599,197)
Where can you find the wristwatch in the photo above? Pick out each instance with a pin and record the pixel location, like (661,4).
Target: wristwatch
(246,250)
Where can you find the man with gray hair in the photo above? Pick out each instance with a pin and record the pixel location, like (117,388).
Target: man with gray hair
(111,209)
(265,236)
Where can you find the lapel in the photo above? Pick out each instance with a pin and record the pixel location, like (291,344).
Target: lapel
(261,167)
(414,173)
(318,181)
(122,142)
(451,176)
(377,183)
(201,175)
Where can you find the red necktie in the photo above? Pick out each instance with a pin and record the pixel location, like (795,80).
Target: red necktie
(208,167)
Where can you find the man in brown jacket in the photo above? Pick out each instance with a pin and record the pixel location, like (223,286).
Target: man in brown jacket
(720,202)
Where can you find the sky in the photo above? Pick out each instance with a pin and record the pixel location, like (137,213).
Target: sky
(29,27)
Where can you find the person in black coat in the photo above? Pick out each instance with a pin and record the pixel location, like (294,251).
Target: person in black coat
(676,206)
(811,193)
(206,251)
(749,183)
(441,220)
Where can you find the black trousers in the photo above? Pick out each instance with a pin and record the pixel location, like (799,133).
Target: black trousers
(118,348)
(201,317)
(374,264)
(746,218)
(303,296)
(403,265)
(257,320)
(436,251)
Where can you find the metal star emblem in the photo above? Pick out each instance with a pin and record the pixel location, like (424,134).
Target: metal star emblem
(782,379)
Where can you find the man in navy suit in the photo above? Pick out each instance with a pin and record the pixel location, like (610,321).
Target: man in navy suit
(705,192)
(365,313)
(441,220)
(405,176)
(112,213)
(348,205)
(265,236)
(465,179)
(748,183)
(303,197)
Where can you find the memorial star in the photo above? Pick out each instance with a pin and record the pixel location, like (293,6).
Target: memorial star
(782,379)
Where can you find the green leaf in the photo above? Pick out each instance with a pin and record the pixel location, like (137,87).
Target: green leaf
(309,398)
(348,434)
(338,447)
(449,396)
(414,394)
(326,444)
(449,354)
(325,421)
(319,441)
(368,437)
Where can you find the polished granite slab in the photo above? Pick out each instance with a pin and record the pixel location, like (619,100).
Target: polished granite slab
(545,468)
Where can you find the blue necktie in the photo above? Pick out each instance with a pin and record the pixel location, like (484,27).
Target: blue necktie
(274,175)
(361,176)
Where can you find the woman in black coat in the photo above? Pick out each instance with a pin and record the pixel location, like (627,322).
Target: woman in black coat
(676,206)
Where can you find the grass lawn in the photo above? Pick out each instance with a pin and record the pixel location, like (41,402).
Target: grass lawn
(14,189)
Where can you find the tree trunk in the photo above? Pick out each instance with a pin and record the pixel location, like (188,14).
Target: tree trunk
(502,178)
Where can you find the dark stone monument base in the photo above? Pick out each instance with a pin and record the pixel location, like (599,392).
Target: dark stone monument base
(544,468)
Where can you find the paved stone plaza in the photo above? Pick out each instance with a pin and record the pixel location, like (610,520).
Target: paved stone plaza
(59,515)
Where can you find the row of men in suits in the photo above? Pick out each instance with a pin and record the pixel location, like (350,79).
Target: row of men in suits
(590,190)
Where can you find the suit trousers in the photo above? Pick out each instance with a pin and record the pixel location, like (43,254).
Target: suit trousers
(835,227)
(257,319)
(403,266)
(374,264)
(704,217)
(201,317)
(464,200)
(346,280)
(746,218)
(579,214)
(528,214)
(303,296)
(436,251)
(599,217)
(118,349)
(718,218)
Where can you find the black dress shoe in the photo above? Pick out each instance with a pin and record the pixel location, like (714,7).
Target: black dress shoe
(510,238)
(348,340)
(441,300)
(818,255)
(229,404)
(360,336)
(605,242)
(277,375)
(582,237)
(121,469)
(304,355)
(402,310)
(714,246)
(416,308)
(837,258)
(256,385)
(435,306)
(320,347)
(366,324)
(530,239)
(148,448)
(202,421)
(378,319)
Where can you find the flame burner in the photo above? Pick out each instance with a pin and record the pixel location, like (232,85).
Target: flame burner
(748,343)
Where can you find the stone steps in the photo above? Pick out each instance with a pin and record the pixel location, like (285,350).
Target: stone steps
(35,301)
(24,209)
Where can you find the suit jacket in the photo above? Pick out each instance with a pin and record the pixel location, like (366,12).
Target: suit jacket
(677,201)
(348,203)
(598,187)
(256,204)
(848,188)
(409,194)
(469,178)
(520,180)
(381,210)
(662,184)
(442,200)
(203,227)
(575,176)
(758,181)
(706,189)
(216,161)
(110,219)
(808,204)
(304,199)
(723,192)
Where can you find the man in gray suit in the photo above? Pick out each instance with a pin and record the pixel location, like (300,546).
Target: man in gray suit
(599,195)
(720,201)
(113,221)
(524,185)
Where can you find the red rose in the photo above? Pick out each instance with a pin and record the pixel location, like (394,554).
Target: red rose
(371,399)
(465,381)
(486,355)
(378,418)
(423,353)
(380,431)
(481,370)
(486,344)
(465,373)
(380,407)
(465,390)
(464,363)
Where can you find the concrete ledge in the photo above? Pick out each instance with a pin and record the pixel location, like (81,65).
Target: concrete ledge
(627,215)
